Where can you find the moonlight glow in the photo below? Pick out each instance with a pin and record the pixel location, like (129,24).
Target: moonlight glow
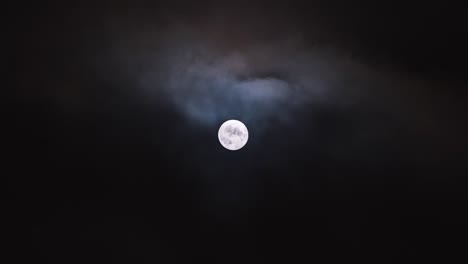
(233,135)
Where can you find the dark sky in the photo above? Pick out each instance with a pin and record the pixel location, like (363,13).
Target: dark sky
(356,112)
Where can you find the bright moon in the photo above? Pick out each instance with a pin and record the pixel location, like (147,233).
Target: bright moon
(233,134)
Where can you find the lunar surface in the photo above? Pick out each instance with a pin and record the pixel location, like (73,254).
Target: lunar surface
(233,135)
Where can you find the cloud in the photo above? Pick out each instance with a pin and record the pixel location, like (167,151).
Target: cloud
(209,77)
(209,83)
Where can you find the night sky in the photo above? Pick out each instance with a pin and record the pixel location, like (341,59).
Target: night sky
(357,118)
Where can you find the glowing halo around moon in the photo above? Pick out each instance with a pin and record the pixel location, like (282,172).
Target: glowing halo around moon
(233,134)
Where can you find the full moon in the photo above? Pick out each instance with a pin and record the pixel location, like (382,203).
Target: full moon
(233,134)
